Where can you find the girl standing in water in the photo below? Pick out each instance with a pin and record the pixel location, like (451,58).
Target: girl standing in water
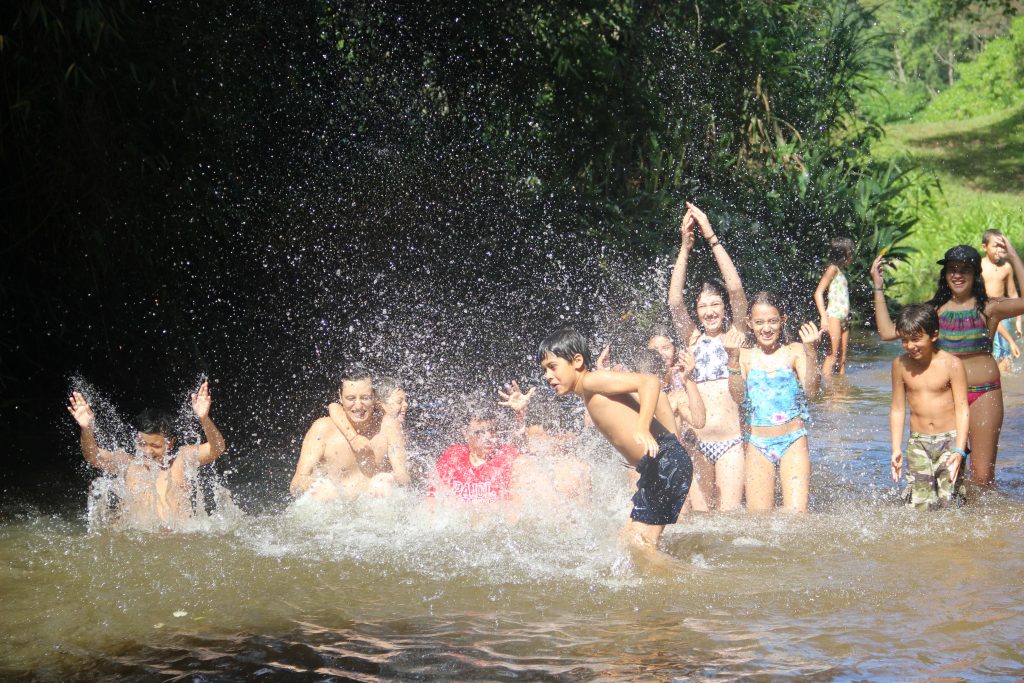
(835,319)
(772,380)
(710,321)
(967,322)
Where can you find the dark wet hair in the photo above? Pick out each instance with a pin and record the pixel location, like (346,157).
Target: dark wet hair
(989,234)
(775,301)
(943,293)
(918,318)
(840,250)
(357,372)
(564,343)
(645,361)
(712,286)
(151,421)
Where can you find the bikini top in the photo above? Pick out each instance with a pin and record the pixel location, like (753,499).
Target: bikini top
(711,360)
(773,397)
(964,332)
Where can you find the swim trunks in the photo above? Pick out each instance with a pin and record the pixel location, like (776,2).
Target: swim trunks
(664,483)
(1001,347)
(928,472)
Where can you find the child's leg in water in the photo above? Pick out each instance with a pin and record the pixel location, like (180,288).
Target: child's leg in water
(759,478)
(830,365)
(795,476)
(794,473)
(842,351)
(702,492)
(986,422)
(729,478)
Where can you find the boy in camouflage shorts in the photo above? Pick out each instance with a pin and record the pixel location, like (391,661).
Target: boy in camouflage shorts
(933,383)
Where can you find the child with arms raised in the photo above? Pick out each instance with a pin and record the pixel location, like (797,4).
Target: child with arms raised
(934,384)
(631,411)
(771,381)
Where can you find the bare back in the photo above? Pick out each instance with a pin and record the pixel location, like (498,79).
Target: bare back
(616,418)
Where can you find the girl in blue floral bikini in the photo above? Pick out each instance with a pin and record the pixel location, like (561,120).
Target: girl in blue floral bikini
(771,381)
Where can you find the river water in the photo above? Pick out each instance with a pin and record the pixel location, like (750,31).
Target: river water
(860,588)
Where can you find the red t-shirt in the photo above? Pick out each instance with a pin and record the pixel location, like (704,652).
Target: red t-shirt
(489,481)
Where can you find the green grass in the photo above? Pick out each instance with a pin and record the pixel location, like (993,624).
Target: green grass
(979,164)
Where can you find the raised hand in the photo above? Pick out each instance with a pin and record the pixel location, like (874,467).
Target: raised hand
(603,362)
(81,410)
(514,398)
(1010,251)
(876,271)
(702,220)
(733,339)
(809,334)
(685,362)
(201,401)
(686,230)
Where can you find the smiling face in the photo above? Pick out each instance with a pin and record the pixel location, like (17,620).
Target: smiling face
(766,322)
(665,348)
(396,405)
(154,446)
(960,277)
(711,312)
(357,399)
(561,374)
(918,344)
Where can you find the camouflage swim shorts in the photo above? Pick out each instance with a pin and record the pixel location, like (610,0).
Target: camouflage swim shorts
(928,472)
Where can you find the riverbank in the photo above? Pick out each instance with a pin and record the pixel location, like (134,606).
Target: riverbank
(979,166)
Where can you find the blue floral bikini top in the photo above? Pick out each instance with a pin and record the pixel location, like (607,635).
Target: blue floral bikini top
(773,397)
(711,360)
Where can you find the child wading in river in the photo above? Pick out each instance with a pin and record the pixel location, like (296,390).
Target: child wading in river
(934,384)
(771,380)
(835,318)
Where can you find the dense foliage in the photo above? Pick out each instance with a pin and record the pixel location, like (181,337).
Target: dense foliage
(185,181)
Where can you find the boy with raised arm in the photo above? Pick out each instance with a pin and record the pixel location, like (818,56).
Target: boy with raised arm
(631,411)
(156,476)
(934,384)
(997,274)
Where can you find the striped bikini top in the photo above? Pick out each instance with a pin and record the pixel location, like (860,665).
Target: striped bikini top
(964,332)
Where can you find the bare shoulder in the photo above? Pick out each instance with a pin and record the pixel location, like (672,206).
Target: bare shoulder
(321,427)
(796,350)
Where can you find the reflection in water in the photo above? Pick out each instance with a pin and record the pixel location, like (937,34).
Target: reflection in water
(860,588)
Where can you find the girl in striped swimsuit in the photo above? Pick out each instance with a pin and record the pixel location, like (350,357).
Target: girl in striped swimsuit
(967,322)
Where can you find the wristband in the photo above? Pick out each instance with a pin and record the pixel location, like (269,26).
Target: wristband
(714,244)
(961,451)
(733,372)
(879,289)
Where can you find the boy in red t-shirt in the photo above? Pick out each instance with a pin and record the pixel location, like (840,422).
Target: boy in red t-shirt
(480,469)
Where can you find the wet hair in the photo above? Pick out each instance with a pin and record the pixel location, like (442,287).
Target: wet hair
(357,372)
(775,301)
(712,286)
(385,386)
(989,234)
(151,421)
(918,318)
(840,250)
(565,343)
(646,361)
(943,293)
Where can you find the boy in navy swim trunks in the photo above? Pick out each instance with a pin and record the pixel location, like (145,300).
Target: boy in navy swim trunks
(634,415)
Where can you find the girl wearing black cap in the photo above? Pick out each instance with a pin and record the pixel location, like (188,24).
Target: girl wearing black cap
(968,319)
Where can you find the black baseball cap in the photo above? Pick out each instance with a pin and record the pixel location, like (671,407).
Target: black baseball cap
(963,253)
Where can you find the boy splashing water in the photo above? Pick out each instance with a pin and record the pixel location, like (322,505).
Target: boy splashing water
(634,415)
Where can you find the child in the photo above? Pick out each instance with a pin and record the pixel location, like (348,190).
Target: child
(998,277)
(934,384)
(710,319)
(835,319)
(479,469)
(156,478)
(630,410)
(771,381)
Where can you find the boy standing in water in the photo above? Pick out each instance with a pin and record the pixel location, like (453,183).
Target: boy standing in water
(934,384)
(998,277)
(630,410)
(154,478)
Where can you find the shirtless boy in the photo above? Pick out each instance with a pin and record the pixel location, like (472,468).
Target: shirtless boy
(357,449)
(934,384)
(998,277)
(630,410)
(155,478)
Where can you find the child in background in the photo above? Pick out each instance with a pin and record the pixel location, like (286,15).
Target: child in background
(835,318)
(934,384)
(997,274)
(772,380)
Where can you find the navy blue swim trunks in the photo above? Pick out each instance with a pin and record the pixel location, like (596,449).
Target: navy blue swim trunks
(664,483)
